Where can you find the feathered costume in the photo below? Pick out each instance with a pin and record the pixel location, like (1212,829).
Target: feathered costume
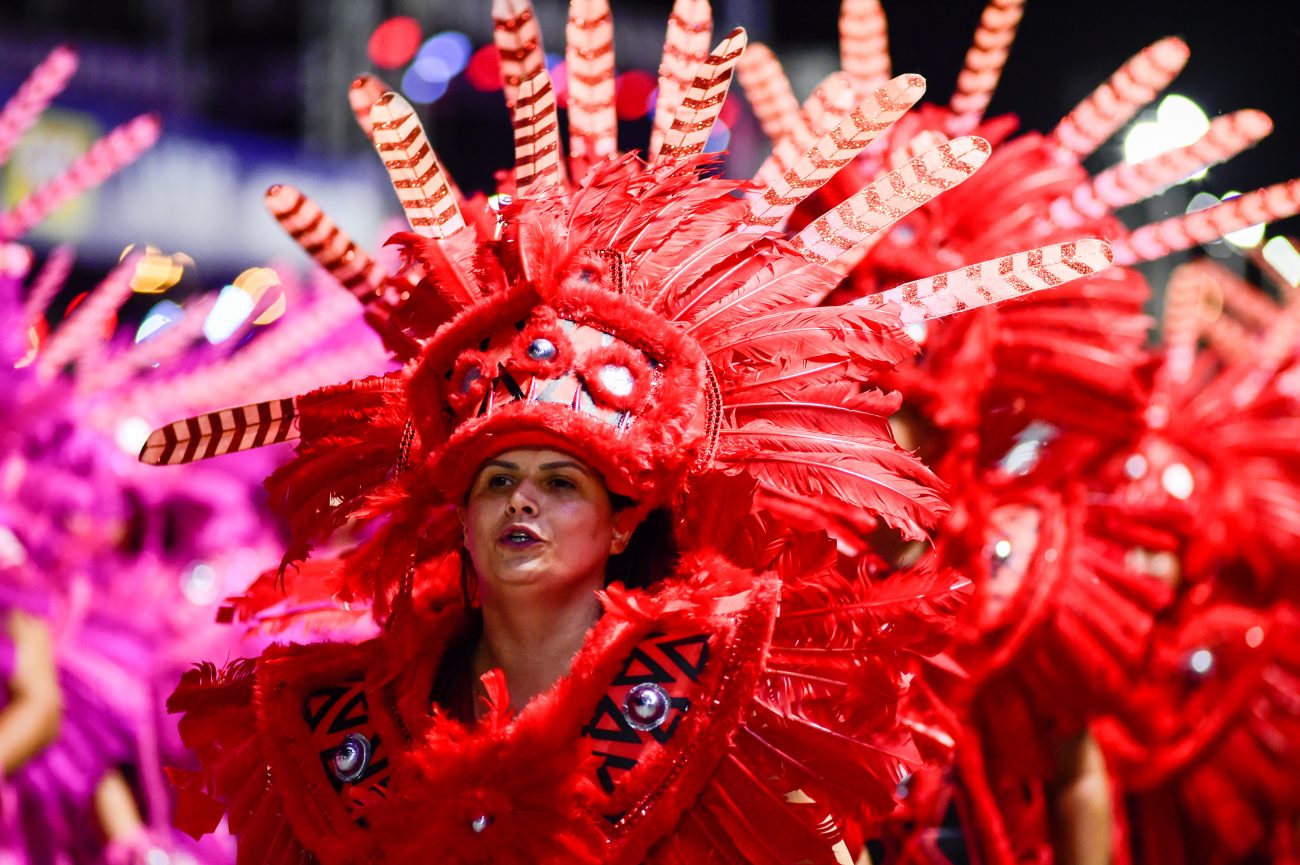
(1009,402)
(1206,743)
(646,316)
(123,566)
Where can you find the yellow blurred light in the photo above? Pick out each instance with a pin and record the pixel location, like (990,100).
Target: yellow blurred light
(1283,257)
(155,272)
(274,311)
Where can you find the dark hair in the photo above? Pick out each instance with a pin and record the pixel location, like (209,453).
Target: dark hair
(651,553)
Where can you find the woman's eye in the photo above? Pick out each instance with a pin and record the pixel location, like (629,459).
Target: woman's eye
(562,484)
(499,481)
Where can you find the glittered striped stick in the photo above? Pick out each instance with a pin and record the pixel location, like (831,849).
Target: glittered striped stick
(116,150)
(878,112)
(702,102)
(589,65)
(864,43)
(537,133)
(888,199)
(829,103)
(24,108)
(768,90)
(326,243)
(686,46)
(420,182)
(985,61)
(1127,183)
(222,432)
(365,92)
(994,281)
(518,38)
(1269,204)
(1115,102)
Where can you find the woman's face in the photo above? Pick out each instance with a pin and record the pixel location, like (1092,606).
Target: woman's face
(540,519)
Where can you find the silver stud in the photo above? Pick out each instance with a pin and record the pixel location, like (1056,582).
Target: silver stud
(542,349)
(646,706)
(352,758)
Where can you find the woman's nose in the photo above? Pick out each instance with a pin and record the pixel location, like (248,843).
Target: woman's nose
(521,501)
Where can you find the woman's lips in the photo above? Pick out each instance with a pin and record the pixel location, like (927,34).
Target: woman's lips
(518,537)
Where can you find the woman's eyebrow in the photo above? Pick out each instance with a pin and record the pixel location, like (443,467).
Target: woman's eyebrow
(564,464)
(501,463)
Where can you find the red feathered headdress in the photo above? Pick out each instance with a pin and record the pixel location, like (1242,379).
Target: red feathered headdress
(645,316)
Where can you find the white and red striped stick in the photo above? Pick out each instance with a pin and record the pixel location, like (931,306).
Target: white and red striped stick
(1121,96)
(994,281)
(864,44)
(985,61)
(169,344)
(110,154)
(327,244)
(890,198)
(413,167)
(1269,204)
(829,103)
(836,149)
(24,108)
(589,65)
(222,432)
(686,46)
(365,92)
(702,102)
(537,133)
(768,90)
(518,38)
(1181,324)
(1125,183)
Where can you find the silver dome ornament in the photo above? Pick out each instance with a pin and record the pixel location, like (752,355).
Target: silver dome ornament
(352,758)
(646,706)
(542,349)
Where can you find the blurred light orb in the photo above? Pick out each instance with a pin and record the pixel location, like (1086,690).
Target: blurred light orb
(426,81)
(200,585)
(1178,481)
(450,47)
(1201,661)
(484,69)
(161,316)
(394,42)
(1283,257)
(1254,636)
(632,93)
(1178,122)
(719,138)
(131,434)
(231,310)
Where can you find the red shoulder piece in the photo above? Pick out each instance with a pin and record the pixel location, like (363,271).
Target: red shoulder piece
(219,724)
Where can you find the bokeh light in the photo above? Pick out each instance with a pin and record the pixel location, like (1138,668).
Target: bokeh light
(257,281)
(632,92)
(394,42)
(231,310)
(719,138)
(131,434)
(155,272)
(1244,238)
(484,69)
(161,316)
(451,48)
(1283,257)
(1178,122)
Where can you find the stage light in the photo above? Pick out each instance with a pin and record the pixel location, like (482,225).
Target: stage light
(1178,122)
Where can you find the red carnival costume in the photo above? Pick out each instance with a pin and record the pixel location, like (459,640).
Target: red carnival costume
(646,317)
(1007,403)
